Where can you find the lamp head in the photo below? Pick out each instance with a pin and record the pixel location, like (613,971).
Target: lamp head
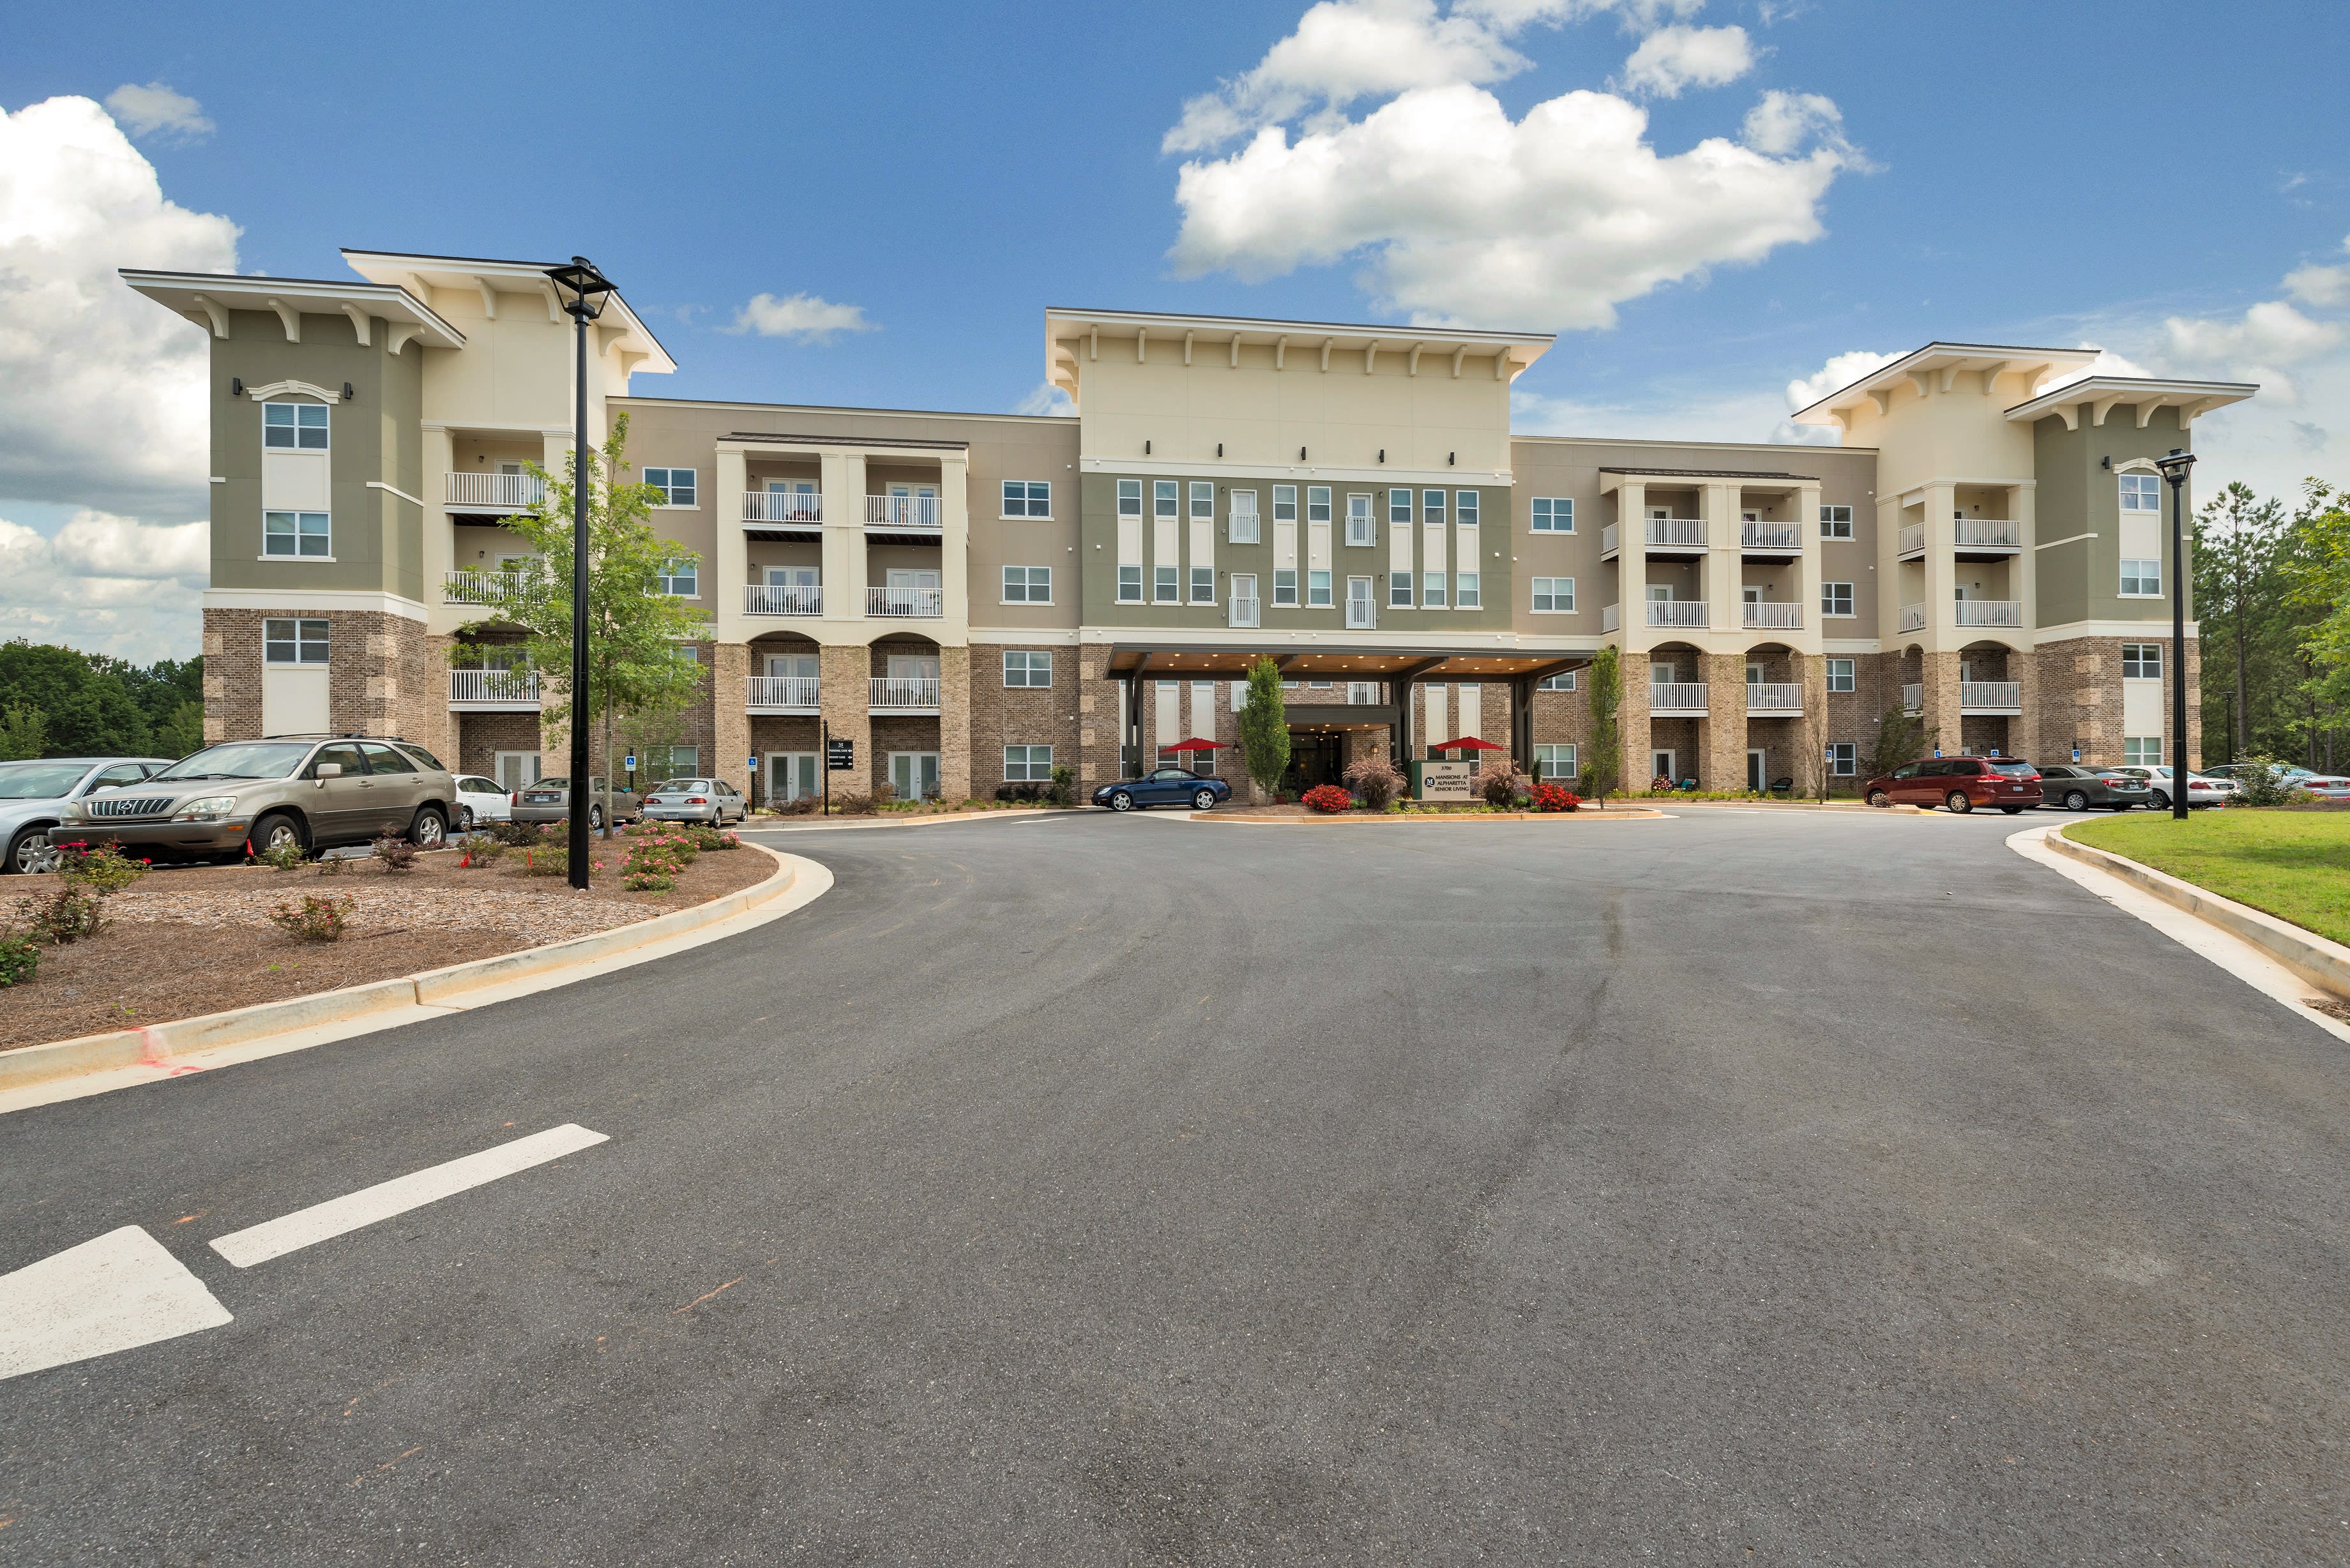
(581,287)
(2175,466)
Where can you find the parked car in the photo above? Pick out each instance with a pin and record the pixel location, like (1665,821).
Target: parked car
(314,791)
(713,800)
(2079,788)
(2291,776)
(480,800)
(2202,790)
(34,797)
(2324,786)
(1961,783)
(1165,787)
(549,800)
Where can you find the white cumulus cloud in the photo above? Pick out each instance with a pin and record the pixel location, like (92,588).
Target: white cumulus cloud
(2254,346)
(1841,371)
(2321,286)
(1044,398)
(106,583)
(1671,58)
(802,317)
(155,106)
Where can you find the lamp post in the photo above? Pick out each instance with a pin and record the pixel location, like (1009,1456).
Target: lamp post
(583,291)
(2174,469)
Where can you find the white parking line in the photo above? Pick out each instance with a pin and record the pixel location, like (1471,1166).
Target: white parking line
(322,1221)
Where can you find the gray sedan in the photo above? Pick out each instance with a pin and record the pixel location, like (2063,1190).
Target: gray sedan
(34,795)
(549,800)
(2078,788)
(713,800)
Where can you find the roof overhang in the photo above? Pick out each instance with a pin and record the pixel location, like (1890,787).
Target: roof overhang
(1936,368)
(207,298)
(2100,395)
(1194,662)
(1503,355)
(619,331)
(1613,479)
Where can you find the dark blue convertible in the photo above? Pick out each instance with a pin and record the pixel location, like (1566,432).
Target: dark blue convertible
(1164,786)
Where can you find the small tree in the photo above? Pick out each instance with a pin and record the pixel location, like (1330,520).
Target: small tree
(1264,727)
(636,627)
(1901,737)
(23,732)
(1603,763)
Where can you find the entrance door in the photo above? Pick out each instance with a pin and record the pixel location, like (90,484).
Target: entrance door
(516,770)
(1757,765)
(914,774)
(792,775)
(1313,760)
(1661,766)
(793,501)
(914,505)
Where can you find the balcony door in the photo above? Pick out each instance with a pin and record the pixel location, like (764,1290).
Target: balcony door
(801,666)
(914,666)
(793,776)
(916,504)
(516,770)
(915,775)
(1661,593)
(791,501)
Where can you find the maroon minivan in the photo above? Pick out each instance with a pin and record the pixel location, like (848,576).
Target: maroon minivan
(1961,784)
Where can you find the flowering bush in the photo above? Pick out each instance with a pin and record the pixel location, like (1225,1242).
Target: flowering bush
(99,867)
(394,854)
(480,849)
(314,919)
(703,837)
(1328,799)
(286,856)
(1555,798)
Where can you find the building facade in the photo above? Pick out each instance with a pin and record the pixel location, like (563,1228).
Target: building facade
(973,600)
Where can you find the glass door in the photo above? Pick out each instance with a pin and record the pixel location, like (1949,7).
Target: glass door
(792,775)
(914,774)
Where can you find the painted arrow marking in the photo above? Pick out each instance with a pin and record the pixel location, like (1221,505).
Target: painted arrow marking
(118,1292)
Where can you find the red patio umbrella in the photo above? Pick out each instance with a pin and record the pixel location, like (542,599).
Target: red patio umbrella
(1468,743)
(1193,744)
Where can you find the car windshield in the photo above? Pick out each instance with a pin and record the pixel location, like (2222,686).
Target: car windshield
(239,760)
(683,786)
(39,780)
(2016,770)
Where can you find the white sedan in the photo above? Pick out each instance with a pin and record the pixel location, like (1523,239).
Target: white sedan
(2202,788)
(480,800)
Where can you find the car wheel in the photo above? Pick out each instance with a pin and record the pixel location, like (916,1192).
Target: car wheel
(277,830)
(1958,803)
(1121,801)
(2075,801)
(1204,800)
(1880,798)
(2160,800)
(427,831)
(464,823)
(29,851)
(595,819)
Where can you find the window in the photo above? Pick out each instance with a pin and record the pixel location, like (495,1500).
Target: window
(1162,497)
(2141,492)
(1835,598)
(1129,498)
(1027,585)
(1130,584)
(1844,759)
(1554,595)
(1244,505)
(1317,503)
(686,652)
(1027,498)
(1317,590)
(1432,507)
(1432,590)
(296,534)
(1025,764)
(676,486)
(294,642)
(2141,580)
(680,579)
(1164,583)
(1556,761)
(2141,661)
(2142,752)
(1464,507)
(1554,514)
(1284,586)
(1836,522)
(1564,682)
(1204,584)
(1399,590)
(1840,675)
(293,427)
(1399,509)
(1027,668)
(1466,594)
(1285,503)
(1359,526)
(1203,500)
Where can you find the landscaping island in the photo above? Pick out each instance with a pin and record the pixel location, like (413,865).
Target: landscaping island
(2293,864)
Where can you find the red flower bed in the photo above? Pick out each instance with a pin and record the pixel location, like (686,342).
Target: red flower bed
(1555,798)
(1326,798)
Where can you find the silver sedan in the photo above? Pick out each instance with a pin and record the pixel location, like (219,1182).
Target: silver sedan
(713,800)
(34,795)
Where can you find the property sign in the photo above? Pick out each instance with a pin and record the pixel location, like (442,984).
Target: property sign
(1445,780)
(840,756)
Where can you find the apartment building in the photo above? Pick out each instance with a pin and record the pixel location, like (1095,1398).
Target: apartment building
(971,600)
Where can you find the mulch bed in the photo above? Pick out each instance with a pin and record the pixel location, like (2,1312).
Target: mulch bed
(185,941)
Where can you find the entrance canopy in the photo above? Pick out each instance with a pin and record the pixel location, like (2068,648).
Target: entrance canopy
(1340,661)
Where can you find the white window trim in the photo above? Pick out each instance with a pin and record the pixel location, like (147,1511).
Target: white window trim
(1853,598)
(1532,590)
(666,504)
(1045,516)
(1556,501)
(1001,585)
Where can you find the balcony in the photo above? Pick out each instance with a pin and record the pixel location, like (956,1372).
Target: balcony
(1243,612)
(1913,618)
(902,513)
(1775,699)
(783,598)
(1677,700)
(1673,535)
(1366,693)
(1767,615)
(1771,538)
(494,690)
(906,604)
(1991,612)
(781,693)
(1913,697)
(494,492)
(905,694)
(1361,615)
(1674,612)
(1987,537)
(1912,542)
(1991,697)
(479,587)
(781,509)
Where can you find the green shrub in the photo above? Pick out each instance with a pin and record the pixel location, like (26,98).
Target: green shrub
(546,860)
(520,835)
(100,867)
(314,919)
(2261,779)
(334,864)
(648,880)
(394,856)
(1497,781)
(284,856)
(20,956)
(479,849)
(713,838)
(66,915)
(1064,788)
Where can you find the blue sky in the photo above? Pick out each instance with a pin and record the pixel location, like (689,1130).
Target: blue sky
(2140,176)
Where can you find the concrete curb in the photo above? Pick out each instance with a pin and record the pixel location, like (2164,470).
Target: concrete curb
(889,819)
(2322,964)
(30,1065)
(1341,819)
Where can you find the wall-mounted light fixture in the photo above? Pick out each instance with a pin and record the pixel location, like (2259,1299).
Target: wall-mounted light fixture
(1146,449)
(1383,454)
(347,393)
(2105,462)
(1301,455)
(1220,449)
(236,386)
(1449,457)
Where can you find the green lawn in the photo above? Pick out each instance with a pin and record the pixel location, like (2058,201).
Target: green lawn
(2296,864)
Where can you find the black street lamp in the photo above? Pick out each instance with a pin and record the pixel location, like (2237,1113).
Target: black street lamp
(2174,469)
(583,291)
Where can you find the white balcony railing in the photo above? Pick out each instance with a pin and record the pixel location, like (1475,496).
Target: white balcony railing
(1771,536)
(1676,612)
(1244,612)
(783,506)
(1913,697)
(496,492)
(1677,697)
(1990,694)
(516,688)
(793,691)
(1366,693)
(1913,540)
(1774,697)
(478,588)
(905,691)
(1607,537)
(1991,612)
(1913,618)
(1770,615)
(1675,533)
(1989,534)
(901,512)
(1611,617)
(900,603)
(783,598)
(1359,615)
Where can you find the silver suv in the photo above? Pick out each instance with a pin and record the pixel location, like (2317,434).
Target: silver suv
(311,790)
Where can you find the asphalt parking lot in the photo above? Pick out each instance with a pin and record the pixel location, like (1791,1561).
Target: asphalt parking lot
(1077,1190)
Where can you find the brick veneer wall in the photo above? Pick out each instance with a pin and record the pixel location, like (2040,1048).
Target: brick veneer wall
(481,736)
(2081,699)
(384,674)
(1004,715)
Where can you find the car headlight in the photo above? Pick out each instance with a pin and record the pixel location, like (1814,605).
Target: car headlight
(211,808)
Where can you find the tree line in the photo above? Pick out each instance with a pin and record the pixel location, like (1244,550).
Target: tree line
(62,702)
(2272,603)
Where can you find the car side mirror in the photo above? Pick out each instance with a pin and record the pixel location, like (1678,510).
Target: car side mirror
(326,771)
